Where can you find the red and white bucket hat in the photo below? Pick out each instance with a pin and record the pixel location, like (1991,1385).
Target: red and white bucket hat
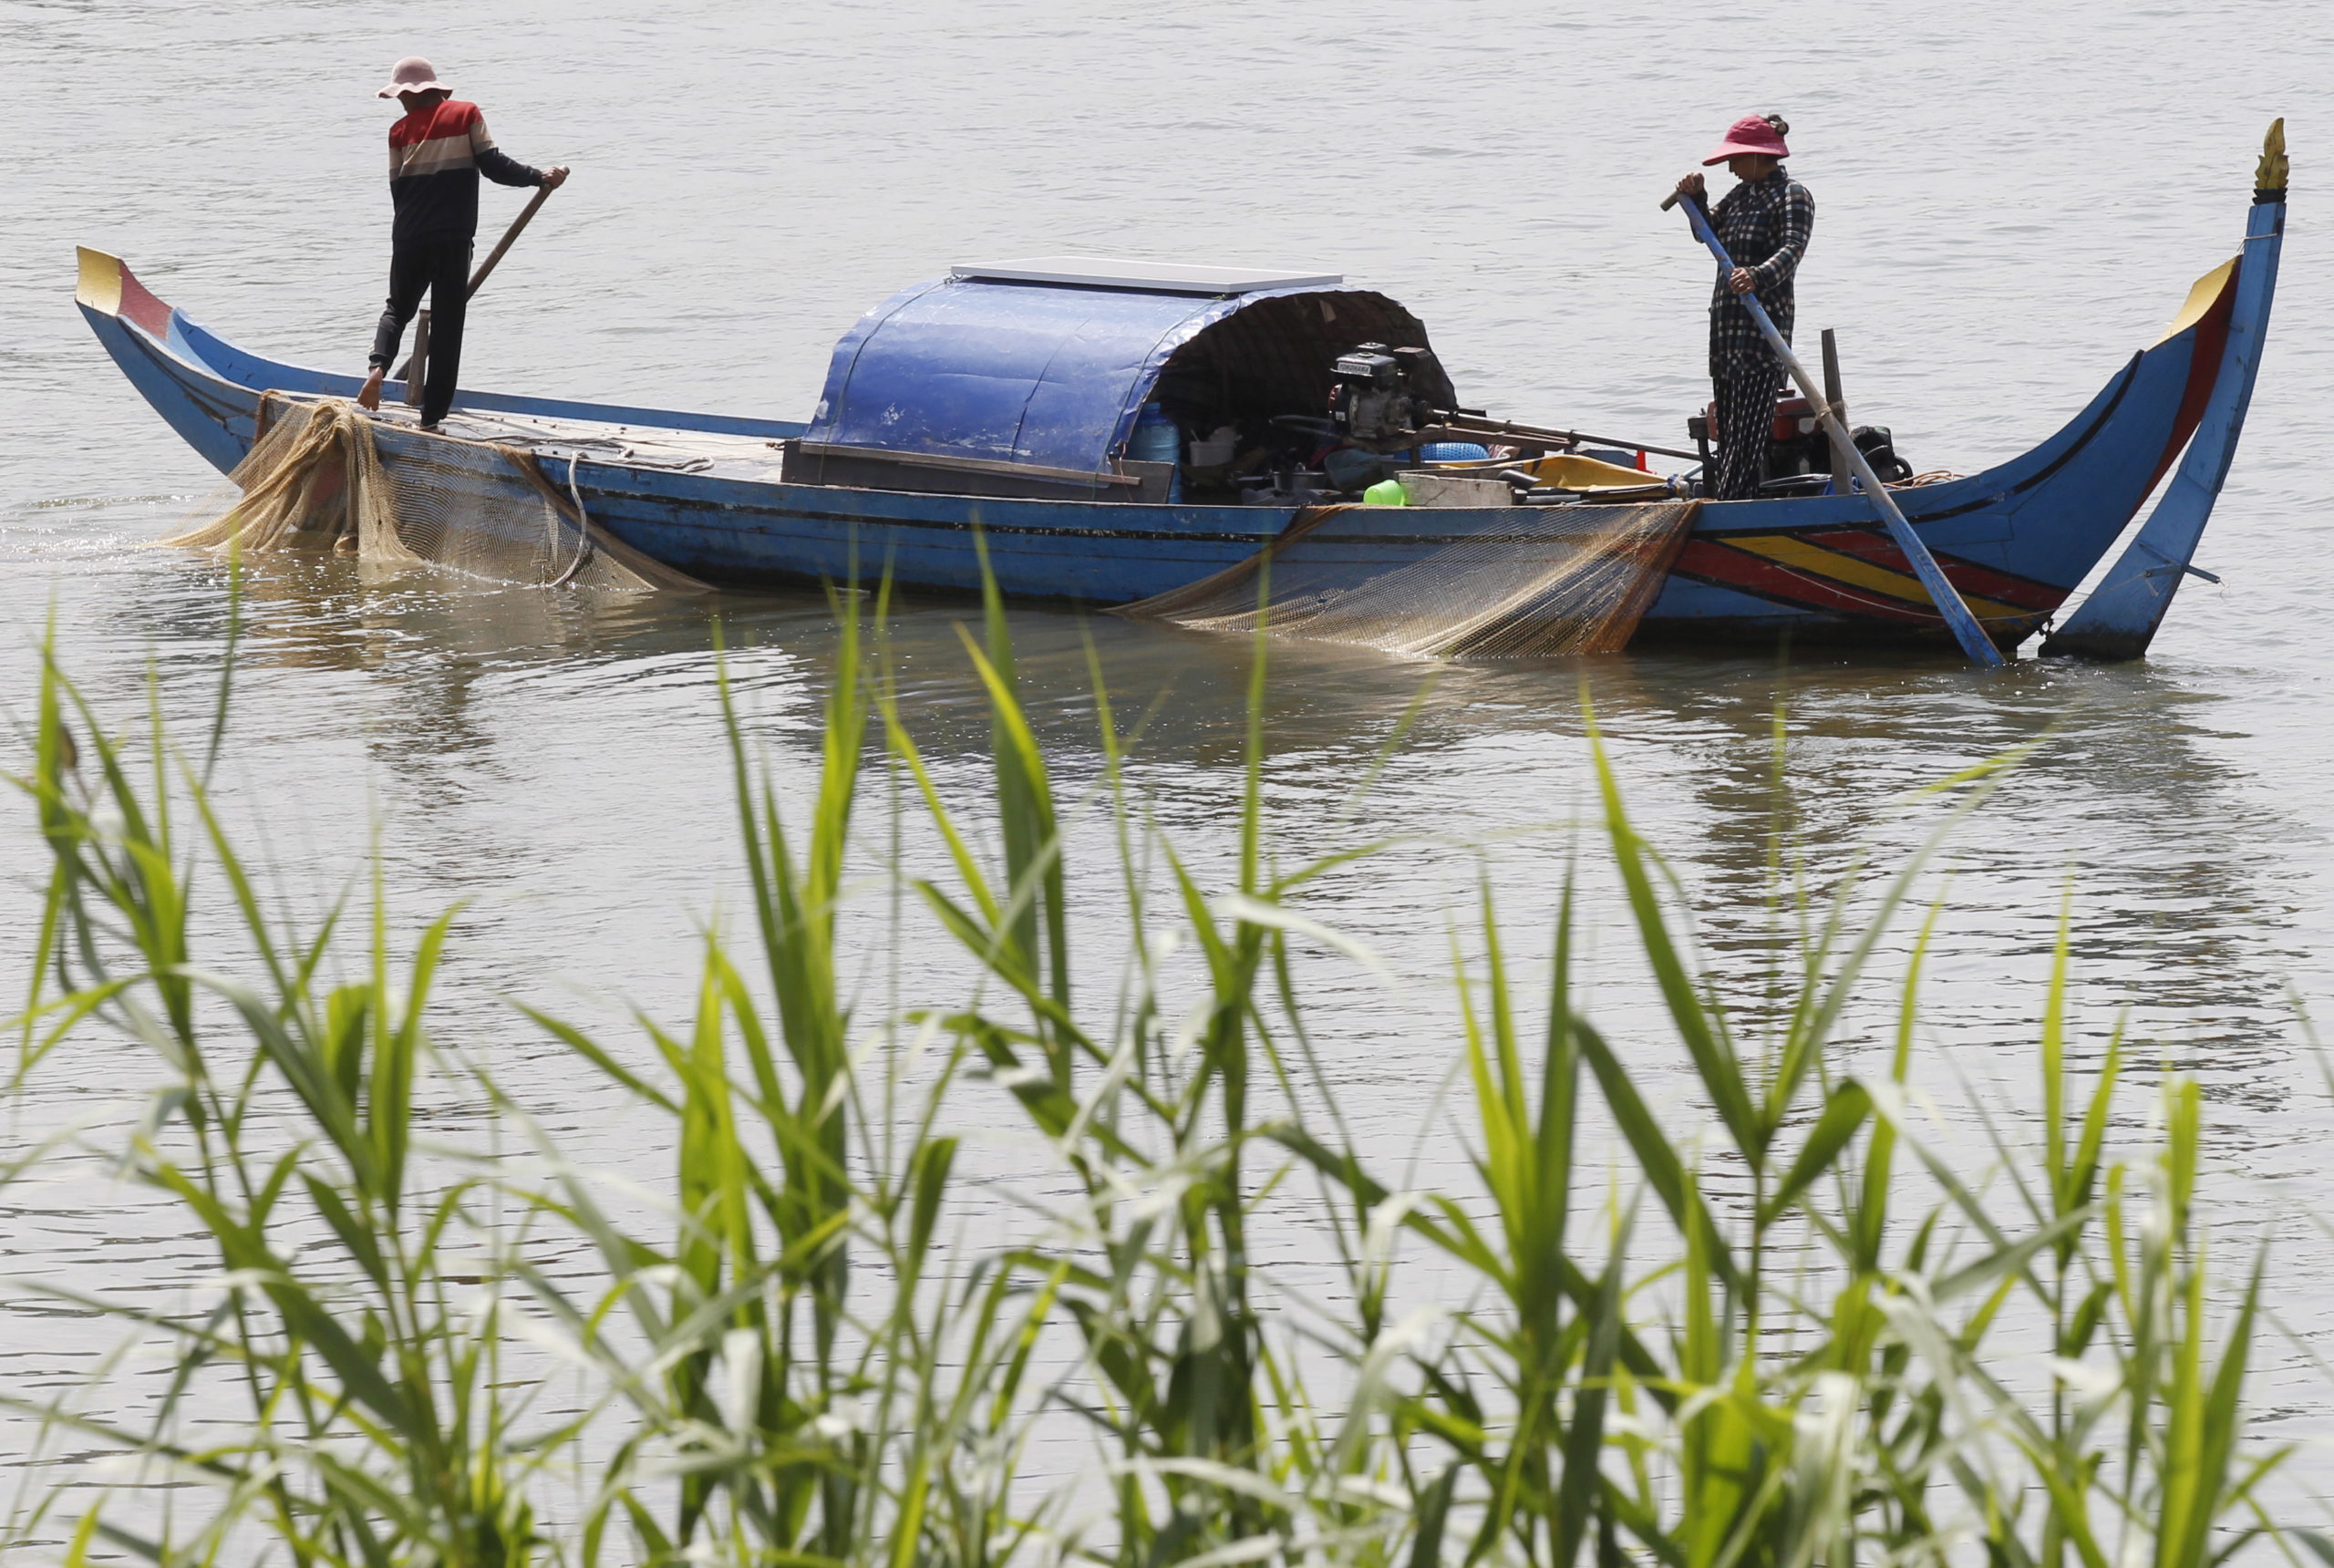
(413,75)
(1753,133)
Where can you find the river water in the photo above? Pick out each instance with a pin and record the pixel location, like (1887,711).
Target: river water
(2012,199)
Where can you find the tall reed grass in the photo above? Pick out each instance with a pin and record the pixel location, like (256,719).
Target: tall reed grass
(815,1358)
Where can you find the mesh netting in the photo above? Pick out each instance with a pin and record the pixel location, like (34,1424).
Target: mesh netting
(1490,582)
(315,480)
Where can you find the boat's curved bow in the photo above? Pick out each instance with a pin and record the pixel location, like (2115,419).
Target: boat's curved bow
(2123,615)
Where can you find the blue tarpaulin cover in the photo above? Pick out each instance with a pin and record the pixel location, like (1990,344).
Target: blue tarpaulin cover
(1021,373)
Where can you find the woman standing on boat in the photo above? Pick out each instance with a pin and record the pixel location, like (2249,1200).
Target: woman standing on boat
(1764,223)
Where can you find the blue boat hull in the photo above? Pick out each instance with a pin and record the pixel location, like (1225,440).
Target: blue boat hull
(2015,540)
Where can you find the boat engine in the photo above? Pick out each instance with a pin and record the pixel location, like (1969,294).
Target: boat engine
(1799,453)
(1375,396)
(1797,444)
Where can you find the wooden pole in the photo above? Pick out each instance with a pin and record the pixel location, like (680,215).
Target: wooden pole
(416,368)
(1942,592)
(1838,412)
(1449,424)
(526,216)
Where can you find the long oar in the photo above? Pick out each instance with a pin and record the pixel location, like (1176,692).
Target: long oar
(1948,599)
(518,226)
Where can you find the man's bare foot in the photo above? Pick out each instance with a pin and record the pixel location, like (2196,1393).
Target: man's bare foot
(369,395)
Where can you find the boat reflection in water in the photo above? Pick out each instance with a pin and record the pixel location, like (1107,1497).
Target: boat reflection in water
(494,715)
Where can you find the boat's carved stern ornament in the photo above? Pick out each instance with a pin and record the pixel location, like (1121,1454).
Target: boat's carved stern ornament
(2269,179)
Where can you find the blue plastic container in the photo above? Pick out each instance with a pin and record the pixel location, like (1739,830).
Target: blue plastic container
(1453,452)
(1156,437)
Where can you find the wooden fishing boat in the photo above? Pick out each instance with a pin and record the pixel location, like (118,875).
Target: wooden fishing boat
(1004,405)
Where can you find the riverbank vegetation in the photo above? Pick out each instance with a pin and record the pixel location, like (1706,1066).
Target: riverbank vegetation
(1791,1333)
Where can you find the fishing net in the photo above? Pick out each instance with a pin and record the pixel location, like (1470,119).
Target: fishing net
(316,481)
(1490,582)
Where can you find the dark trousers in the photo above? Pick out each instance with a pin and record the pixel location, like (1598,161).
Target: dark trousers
(1746,417)
(439,263)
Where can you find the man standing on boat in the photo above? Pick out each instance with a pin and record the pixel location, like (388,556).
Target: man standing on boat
(436,154)
(1765,224)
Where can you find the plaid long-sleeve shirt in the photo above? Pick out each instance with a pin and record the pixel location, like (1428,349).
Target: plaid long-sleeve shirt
(1764,225)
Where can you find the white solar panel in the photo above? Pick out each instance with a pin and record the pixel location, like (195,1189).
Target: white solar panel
(1150,277)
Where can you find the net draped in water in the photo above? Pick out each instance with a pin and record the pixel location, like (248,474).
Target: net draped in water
(315,480)
(1490,582)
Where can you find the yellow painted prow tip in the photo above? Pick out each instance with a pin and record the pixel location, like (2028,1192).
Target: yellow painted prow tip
(2202,297)
(101,283)
(2273,169)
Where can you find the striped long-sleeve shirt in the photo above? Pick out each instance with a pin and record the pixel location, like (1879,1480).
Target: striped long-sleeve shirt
(436,155)
(1765,225)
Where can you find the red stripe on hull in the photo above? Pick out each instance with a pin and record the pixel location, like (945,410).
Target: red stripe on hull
(141,307)
(1967,575)
(1729,568)
(2203,371)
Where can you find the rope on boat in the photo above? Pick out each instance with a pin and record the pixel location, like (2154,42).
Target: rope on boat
(583,525)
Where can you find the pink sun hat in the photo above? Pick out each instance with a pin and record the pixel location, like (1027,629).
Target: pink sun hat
(413,75)
(1752,134)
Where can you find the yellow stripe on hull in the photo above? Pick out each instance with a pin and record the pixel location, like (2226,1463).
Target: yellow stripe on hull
(1817,562)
